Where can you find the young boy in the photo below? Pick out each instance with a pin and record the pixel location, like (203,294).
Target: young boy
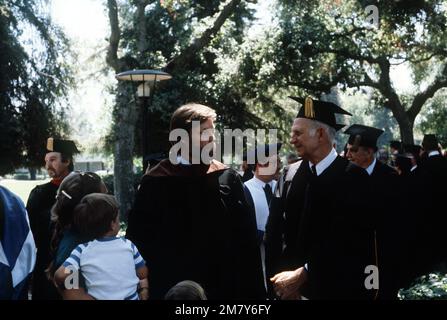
(111,267)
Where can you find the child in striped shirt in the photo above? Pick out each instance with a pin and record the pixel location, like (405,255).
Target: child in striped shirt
(110,267)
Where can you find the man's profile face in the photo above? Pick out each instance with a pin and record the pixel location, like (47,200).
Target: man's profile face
(54,165)
(201,140)
(361,156)
(300,138)
(207,137)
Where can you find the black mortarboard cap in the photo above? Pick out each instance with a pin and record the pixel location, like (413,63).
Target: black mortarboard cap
(264,149)
(367,135)
(67,147)
(412,148)
(430,142)
(396,144)
(403,162)
(320,111)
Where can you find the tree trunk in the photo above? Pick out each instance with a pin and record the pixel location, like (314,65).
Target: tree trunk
(125,113)
(406,132)
(125,119)
(406,124)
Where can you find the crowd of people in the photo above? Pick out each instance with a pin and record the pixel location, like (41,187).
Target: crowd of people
(358,225)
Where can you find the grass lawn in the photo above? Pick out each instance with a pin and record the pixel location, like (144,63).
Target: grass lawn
(22,188)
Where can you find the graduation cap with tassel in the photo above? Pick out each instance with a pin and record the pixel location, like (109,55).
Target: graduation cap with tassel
(67,147)
(322,111)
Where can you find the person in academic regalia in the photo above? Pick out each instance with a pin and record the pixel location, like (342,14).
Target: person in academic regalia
(413,152)
(191,220)
(387,191)
(58,163)
(395,149)
(274,229)
(332,239)
(260,188)
(430,178)
(247,169)
(403,164)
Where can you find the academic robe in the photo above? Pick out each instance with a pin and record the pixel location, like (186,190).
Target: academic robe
(386,196)
(274,230)
(40,202)
(429,189)
(335,234)
(192,222)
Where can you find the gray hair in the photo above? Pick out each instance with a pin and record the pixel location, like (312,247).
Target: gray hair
(314,125)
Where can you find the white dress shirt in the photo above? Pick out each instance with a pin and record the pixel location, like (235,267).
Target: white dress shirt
(183,161)
(434,153)
(256,188)
(370,168)
(325,163)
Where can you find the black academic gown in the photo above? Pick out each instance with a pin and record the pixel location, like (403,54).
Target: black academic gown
(275,262)
(189,224)
(274,231)
(429,185)
(40,202)
(386,197)
(335,235)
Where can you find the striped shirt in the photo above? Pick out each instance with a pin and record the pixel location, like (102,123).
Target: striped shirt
(108,266)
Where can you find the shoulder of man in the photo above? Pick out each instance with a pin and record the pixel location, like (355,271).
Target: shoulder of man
(227,175)
(353,170)
(292,169)
(45,187)
(385,169)
(40,191)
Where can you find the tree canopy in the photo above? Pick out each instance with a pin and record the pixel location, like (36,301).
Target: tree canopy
(190,39)
(34,78)
(321,44)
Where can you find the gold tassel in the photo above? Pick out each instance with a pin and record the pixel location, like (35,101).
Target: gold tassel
(50,144)
(309,111)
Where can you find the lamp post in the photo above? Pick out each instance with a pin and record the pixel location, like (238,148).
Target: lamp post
(146,80)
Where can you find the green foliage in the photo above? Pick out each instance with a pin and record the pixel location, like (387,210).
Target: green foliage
(321,44)
(428,287)
(123,228)
(34,77)
(108,181)
(170,27)
(434,118)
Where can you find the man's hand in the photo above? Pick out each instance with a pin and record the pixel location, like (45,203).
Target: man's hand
(287,284)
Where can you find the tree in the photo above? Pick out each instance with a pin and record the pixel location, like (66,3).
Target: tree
(34,78)
(321,44)
(434,118)
(183,37)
